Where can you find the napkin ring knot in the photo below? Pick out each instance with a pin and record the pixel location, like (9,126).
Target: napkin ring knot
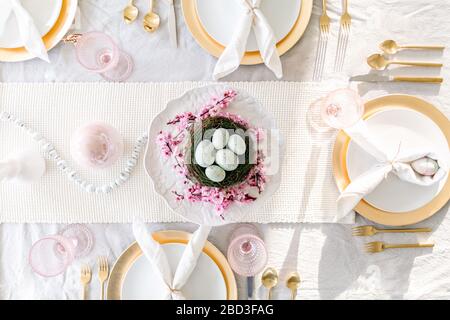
(173,290)
(72,38)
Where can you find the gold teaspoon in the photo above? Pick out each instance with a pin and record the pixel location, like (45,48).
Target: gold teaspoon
(391,47)
(378,62)
(151,20)
(130,13)
(293,283)
(269,279)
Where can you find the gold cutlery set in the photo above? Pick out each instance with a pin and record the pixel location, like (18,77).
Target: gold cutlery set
(86,276)
(151,20)
(378,246)
(324,28)
(379,61)
(269,280)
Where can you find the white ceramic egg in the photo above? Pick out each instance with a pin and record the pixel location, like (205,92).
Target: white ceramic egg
(205,154)
(220,138)
(215,173)
(425,166)
(227,159)
(237,144)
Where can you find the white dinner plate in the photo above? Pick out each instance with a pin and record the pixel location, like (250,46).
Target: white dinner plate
(44,13)
(205,283)
(219,18)
(412,129)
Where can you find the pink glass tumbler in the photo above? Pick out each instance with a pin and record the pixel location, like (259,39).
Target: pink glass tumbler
(51,255)
(247,253)
(97,52)
(340,109)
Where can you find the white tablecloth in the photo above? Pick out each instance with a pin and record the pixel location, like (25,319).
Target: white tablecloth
(330,261)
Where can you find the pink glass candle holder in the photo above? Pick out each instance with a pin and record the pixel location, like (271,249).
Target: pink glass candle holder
(96,145)
(97,52)
(51,255)
(247,253)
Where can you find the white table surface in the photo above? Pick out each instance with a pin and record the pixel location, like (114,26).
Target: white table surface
(331,262)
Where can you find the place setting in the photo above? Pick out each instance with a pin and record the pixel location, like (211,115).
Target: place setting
(220,190)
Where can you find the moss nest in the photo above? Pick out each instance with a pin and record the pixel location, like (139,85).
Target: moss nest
(205,131)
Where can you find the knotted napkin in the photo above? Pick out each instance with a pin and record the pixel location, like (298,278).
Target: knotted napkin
(252,18)
(398,163)
(28,32)
(158,259)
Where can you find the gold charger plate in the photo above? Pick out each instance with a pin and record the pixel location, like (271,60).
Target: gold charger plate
(129,256)
(51,39)
(340,168)
(250,57)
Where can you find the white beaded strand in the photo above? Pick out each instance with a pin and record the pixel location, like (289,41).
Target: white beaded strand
(49,149)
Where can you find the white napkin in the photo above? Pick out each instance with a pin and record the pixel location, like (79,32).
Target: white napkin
(233,53)
(156,255)
(398,164)
(27,29)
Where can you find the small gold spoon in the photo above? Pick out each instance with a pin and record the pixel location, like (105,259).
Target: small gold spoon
(130,13)
(378,62)
(391,47)
(269,279)
(151,20)
(293,282)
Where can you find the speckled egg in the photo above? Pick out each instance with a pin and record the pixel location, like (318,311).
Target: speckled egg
(220,138)
(205,154)
(215,173)
(237,144)
(227,159)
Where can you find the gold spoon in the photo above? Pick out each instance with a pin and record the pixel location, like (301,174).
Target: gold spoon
(151,20)
(293,282)
(391,47)
(269,279)
(130,13)
(378,62)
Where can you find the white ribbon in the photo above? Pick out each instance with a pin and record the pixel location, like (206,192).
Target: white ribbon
(28,32)
(253,18)
(158,259)
(398,163)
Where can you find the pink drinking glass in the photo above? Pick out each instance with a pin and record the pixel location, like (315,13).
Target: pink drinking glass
(97,52)
(340,109)
(247,253)
(51,255)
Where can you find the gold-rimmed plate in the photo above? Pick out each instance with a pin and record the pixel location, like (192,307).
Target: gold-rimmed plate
(51,38)
(207,42)
(341,174)
(118,288)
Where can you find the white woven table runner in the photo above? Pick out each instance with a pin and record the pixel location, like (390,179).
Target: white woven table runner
(307,193)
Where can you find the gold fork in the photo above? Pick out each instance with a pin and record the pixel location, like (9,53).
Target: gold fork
(344,31)
(363,231)
(324,27)
(324,21)
(378,246)
(85,279)
(346,19)
(103,271)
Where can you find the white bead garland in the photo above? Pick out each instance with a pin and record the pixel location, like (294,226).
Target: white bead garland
(73,175)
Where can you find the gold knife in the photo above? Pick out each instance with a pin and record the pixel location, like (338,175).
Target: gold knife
(380,78)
